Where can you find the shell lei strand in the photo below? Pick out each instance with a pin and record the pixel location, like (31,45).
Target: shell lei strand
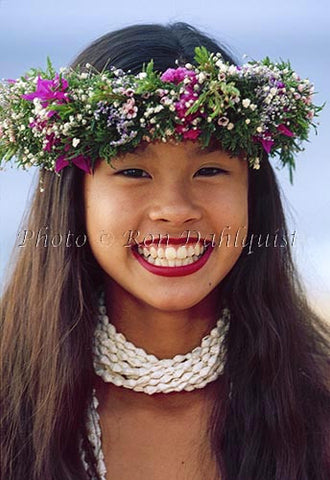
(120,362)
(94,437)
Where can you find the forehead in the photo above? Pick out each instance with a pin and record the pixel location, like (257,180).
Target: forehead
(187,150)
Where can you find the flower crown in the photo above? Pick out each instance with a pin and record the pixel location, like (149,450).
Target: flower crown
(75,117)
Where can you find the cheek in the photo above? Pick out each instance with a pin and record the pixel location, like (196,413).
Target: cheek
(231,209)
(232,226)
(109,217)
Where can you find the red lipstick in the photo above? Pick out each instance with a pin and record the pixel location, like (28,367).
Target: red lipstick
(174,271)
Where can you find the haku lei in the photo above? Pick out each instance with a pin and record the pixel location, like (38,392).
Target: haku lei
(77,116)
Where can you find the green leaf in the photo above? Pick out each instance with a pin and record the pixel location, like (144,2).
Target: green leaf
(50,69)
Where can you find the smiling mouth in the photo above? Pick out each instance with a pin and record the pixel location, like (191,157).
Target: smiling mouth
(172,256)
(174,259)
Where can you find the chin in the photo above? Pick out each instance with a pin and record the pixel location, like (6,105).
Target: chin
(177,303)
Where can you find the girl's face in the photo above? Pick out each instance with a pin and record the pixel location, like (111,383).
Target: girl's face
(177,192)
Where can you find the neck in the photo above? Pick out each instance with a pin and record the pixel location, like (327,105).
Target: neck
(161,333)
(122,401)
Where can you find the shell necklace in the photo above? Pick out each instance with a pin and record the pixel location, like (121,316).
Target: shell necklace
(120,362)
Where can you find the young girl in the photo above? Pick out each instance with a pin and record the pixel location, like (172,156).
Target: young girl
(154,326)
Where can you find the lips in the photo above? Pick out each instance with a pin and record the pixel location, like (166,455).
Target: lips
(177,258)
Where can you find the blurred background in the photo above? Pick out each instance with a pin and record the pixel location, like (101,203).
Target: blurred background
(297,30)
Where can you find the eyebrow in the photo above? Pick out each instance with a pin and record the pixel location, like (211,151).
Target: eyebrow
(213,146)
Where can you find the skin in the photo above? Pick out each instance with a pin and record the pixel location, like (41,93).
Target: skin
(172,188)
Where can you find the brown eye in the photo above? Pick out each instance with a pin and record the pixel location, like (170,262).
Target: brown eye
(211,172)
(133,173)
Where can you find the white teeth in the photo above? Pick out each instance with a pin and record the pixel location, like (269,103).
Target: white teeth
(160,252)
(191,251)
(170,253)
(171,256)
(181,252)
(146,252)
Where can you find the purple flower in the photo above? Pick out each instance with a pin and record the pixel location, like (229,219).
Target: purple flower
(80,161)
(283,129)
(267,144)
(48,90)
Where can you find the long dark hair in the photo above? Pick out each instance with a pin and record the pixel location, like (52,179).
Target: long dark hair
(272,425)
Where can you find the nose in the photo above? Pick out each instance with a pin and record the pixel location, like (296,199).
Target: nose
(175,205)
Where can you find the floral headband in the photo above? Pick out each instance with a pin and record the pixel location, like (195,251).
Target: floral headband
(75,117)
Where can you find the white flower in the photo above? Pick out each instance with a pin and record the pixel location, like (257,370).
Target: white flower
(230,126)
(223,121)
(75,142)
(201,77)
(246,102)
(232,70)
(247,121)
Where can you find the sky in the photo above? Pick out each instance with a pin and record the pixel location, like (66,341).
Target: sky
(295,30)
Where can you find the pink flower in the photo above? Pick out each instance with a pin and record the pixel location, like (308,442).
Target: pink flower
(48,90)
(50,142)
(186,133)
(39,124)
(192,134)
(80,161)
(283,129)
(223,121)
(129,109)
(177,75)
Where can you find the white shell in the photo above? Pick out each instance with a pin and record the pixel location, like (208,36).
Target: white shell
(119,361)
